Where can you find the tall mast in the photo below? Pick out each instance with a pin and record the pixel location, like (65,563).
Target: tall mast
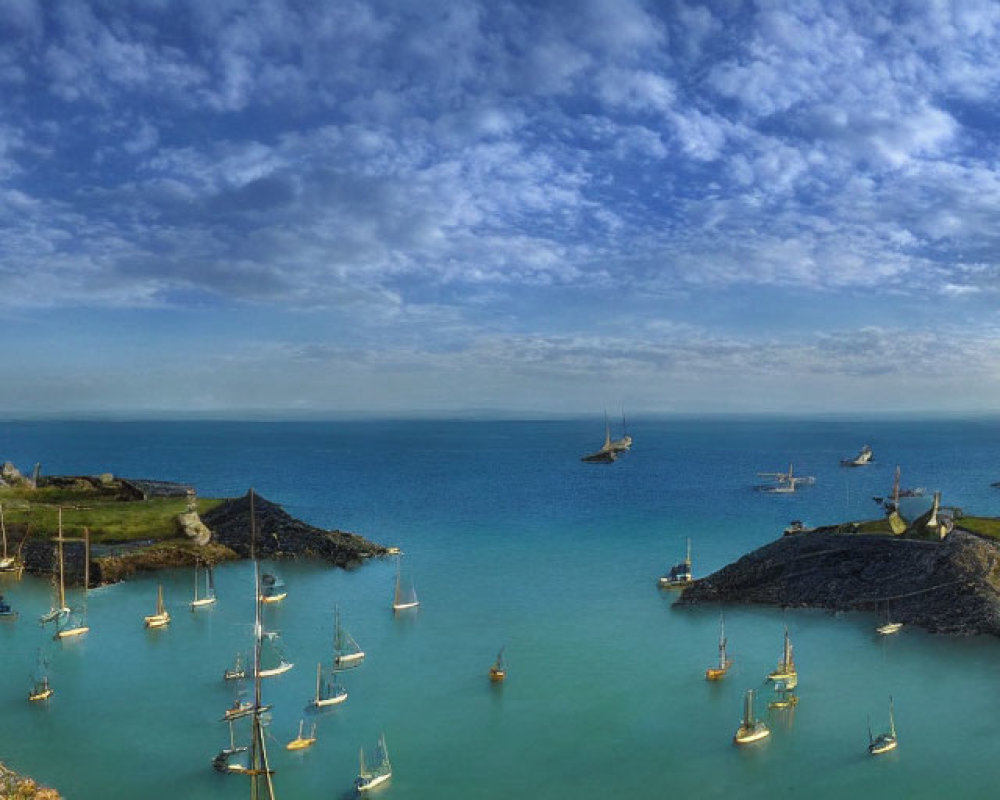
(62,588)
(3,528)
(258,751)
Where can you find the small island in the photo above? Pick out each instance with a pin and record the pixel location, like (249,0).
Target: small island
(940,572)
(114,527)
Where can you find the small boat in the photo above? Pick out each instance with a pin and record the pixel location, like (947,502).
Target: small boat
(301,742)
(8,563)
(751,729)
(221,761)
(680,574)
(863,458)
(785,696)
(884,742)
(328,693)
(891,503)
(6,612)
(719,672)
(498,671)
(623,444)
(209,597)
(71,626)
(783,482)
(272,589)
(239,708)
(888,626)
(607,454)
(237,672)
(786,666)
(41,690)
(376,770)
(797,526)
(405,595)
(161,618)
(59,610)
(346,652)
(275,656)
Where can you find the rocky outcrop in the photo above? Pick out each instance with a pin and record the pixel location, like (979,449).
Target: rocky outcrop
(17,787)
(191,526)
(279,535)
(948,586)
(126,562)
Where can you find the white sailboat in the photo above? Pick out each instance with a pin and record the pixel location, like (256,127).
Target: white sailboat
(275,657)
(8,563)
(328,693)
(783,482)
(786,666)
(751,729)
(347,653)
(40,688)
(161,617)
(374,770)
(69,625)
(405,595)
(884,742)
(888,626)
(59,609)
(209,597)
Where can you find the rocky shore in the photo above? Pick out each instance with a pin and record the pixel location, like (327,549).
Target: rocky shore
(17,787)
(947,586)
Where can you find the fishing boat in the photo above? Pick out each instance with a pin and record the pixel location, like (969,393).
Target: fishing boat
(272,589)
(271,643)
(717,673)
(888,626)
(884,742)
(209,597)
(374,770)
(783,482)
(786,666)
(405,595)
(6,612)
(862,459)
(680,574)
(346,652)
(328,693)
(751,729)
(161,618)
(498,671)
(301,742)
(237,672)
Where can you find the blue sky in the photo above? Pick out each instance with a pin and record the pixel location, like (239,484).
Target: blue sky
(534,207)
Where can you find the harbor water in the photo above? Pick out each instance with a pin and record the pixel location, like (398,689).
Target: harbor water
(512,542)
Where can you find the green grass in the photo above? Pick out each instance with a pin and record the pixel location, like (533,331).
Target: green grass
(108,520)
(875,526)
(984,526)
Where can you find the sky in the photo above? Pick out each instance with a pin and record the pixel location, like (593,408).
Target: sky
(548,207)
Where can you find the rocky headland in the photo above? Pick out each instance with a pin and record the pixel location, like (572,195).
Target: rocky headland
(949,585)
(17,787)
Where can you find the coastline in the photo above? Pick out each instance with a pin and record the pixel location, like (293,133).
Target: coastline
(14,786)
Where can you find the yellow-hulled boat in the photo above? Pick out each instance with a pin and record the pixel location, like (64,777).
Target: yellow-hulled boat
(498,672)
(719,672)
(786,666)
(750,730)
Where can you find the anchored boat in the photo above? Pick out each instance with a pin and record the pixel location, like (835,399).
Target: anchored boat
(751,729)
(786,666)
(719,672)
(884,742)
(376,769)
(680,574)
(161,617)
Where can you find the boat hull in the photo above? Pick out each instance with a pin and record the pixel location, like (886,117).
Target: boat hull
(70,633)
(273,598)
(497,675)
(889,628)
(878,747)
(716,673)
(300,744)
(205,601)
(348,660)
(404,606)
(749,735)
(44,694)
(278,670)
(157,620)
(326,702)
(366,784)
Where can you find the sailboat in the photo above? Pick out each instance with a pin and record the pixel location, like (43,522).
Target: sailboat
(375,770)
(275,654)
(346,652)
(623,444)
(498,671)
(237,672)
(301,742)
(784,691)
(68,626)
(751,729)
(161,618)
(209,596)
(862,459)
(221,760)
(884,742)
(680,574)
(786,666)
(405,595)
(8,563)
(40,689)
(719,672)
(327,693)
(607,453)
(888,627)
(273,589)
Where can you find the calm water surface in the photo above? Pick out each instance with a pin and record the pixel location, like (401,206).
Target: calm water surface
(512,542)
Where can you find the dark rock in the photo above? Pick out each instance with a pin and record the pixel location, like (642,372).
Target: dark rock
(279,535)
(948,586)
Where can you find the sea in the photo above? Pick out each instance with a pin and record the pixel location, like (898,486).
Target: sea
(512,542)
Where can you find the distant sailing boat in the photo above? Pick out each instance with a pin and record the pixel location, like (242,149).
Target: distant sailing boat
(784,691)
(8,563)
(680,574)
(405,595)
(346,652)
(275,655)
(376,769)
(60,609)
(301,742)
(607,453)
(237,671)
(884,742)
(40,689)
(328,693)
(273,589)
(751,729)
(221,760)
(719,672)
(209,596)
(786,666)
(74,624)
(161,618)
(498,672)
(888,627)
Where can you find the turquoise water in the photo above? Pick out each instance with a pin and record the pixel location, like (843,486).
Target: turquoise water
(512,542)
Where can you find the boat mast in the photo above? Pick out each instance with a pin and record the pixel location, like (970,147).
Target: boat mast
(258,751)
(722,641)
(3,529)
(748,709)
(892,722)
(62,587)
